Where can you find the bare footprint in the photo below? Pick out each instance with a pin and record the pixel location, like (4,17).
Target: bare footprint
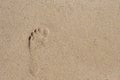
(37,40)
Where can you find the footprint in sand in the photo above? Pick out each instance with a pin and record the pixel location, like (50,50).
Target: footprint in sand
(37,40)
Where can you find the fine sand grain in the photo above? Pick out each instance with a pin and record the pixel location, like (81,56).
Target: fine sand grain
(59,39)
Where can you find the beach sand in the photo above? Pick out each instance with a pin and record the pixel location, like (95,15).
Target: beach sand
(59,39)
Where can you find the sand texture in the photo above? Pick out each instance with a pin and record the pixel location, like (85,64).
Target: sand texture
(59,39)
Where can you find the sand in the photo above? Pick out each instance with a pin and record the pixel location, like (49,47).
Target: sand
(59,39)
